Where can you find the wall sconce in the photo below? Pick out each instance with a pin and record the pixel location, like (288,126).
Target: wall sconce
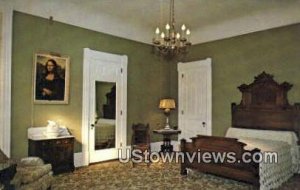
(167,105)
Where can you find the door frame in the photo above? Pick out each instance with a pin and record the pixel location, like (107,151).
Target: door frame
(5,76)
(87,56)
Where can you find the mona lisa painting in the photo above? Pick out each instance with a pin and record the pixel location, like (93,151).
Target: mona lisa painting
(51,79)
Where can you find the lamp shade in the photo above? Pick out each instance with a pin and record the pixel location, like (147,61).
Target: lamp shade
(167,104)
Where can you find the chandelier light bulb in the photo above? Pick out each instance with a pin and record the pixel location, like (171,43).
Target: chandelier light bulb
(188,32)
(183,27)
(170,40)
(167,26)
(157,31)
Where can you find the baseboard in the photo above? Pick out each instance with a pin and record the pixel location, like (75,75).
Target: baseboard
(78,159)
(176,145)
(155,147)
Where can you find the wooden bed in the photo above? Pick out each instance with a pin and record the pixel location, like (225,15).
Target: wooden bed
(264,106)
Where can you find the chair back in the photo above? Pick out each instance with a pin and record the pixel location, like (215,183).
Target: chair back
(140,134)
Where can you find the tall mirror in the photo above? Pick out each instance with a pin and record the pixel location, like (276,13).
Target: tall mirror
(105,124)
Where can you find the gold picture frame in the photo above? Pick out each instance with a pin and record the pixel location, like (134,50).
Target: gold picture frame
(51,79)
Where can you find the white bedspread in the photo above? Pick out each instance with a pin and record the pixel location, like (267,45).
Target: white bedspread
(104,130)
(283,142)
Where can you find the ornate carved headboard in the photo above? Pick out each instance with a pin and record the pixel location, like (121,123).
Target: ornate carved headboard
(265,105)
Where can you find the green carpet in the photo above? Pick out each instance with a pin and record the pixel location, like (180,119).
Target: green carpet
(115,175)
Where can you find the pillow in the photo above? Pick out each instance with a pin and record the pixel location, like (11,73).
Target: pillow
(31,161)
(32,173)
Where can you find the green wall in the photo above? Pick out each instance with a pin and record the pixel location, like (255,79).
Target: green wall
(237,60)
(148,77)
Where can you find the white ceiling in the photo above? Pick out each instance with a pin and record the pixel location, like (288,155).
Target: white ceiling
(136,19)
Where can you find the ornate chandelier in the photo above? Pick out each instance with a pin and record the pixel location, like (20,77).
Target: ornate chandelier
(170,42)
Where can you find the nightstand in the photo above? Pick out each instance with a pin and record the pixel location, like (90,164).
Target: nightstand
(59,152)
(167,133)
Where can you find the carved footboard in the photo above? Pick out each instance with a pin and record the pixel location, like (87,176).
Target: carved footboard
(220,156)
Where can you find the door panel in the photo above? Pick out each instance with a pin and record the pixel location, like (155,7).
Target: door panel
(102,146)
(107,105)
(194,98)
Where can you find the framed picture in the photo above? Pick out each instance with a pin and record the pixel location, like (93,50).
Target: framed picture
(51,79)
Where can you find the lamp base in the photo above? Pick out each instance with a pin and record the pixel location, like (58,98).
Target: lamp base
(167,127)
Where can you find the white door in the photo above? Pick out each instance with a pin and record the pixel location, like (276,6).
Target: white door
(194,104)
(106,122)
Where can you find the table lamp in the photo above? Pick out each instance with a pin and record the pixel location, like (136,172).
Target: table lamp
(167,105)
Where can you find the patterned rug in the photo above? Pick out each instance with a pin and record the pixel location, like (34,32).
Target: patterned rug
(116,175)
(160,176)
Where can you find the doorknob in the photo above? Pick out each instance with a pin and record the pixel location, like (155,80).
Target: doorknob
(203,124)
(92,126)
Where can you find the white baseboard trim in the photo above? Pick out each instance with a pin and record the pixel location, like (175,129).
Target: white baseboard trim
(78,159)
(155,147)
(176,145)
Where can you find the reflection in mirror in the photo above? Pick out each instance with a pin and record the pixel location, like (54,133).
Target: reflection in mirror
(105,115)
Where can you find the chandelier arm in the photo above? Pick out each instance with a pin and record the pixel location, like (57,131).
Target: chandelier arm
(172,14)
(171,43)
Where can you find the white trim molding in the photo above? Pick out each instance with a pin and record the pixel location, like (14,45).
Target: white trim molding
(5,77)
(155,147)
(78,159)
(85,109)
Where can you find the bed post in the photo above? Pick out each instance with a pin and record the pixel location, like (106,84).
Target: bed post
(297,122)
(183,170)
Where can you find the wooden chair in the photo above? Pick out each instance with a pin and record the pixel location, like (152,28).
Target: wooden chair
(140,141)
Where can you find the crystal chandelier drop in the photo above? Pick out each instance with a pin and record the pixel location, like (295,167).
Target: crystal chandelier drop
(170,41)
